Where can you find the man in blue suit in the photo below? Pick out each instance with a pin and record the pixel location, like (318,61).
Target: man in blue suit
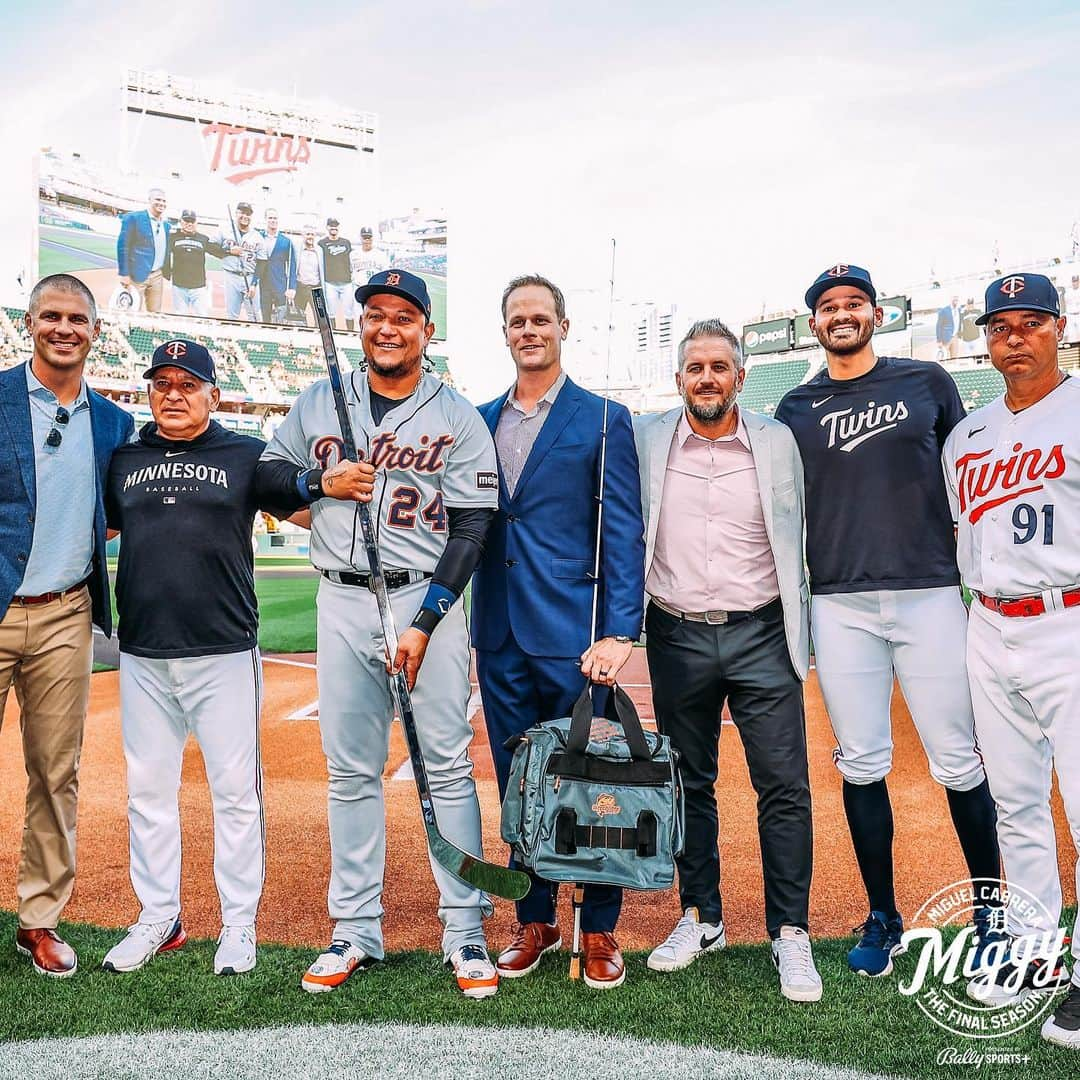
(58,436)
(533,589)
(276,269)
(141,248)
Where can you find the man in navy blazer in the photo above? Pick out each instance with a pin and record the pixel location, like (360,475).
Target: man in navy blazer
(58,436)
(141,248)
(533,589)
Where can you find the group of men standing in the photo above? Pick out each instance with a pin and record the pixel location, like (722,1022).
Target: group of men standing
(266,276)
(702,542)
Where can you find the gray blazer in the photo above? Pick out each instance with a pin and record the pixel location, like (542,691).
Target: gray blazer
(780,478)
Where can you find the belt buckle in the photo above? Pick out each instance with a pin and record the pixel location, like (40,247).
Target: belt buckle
(716,618)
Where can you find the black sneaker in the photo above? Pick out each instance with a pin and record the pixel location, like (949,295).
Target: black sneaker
(1063,1028)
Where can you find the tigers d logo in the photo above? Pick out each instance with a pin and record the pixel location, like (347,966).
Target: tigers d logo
(176,349)
(1012,285)
(605,804)
(393,279)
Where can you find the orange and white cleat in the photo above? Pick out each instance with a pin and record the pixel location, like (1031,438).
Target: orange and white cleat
(476,974)
(334,966)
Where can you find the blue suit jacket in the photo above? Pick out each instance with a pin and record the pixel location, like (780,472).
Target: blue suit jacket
(547,534)
(279,270)
(135,246)
(111,427)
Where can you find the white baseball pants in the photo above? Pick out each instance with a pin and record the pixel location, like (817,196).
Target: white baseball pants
(218,699)
(340,297)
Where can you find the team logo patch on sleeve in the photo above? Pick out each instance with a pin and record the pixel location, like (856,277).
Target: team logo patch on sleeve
(487,480)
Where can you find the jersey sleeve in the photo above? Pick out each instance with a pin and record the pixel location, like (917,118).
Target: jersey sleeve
(950,407)
(471,477)
(950,478)
(289,441)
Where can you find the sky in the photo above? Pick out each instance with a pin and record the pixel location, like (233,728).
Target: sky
(732,151)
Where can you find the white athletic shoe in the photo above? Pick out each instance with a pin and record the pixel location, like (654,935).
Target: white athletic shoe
(476,974)
(236,950)
(687,942)
(142,943)
(334,966)
(794,960)
(1063,1027)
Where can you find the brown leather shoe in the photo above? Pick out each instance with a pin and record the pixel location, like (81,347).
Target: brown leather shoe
(48,951)
(604,967)
(527,946)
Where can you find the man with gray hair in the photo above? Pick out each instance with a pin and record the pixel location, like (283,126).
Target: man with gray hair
(141,248)
(727,622)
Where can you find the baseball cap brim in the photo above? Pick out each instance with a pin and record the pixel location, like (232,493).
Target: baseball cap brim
(364,292)
(1017,305)
(183,367)
(817,290)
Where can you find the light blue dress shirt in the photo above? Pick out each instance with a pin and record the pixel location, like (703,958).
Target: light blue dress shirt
(157,226)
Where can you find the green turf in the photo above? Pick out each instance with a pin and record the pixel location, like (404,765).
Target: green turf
(264,561)
(65,262)
(727,1000)
(287,613)
(437,291)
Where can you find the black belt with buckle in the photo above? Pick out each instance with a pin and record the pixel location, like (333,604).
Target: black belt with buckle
(394,579)
(721,618)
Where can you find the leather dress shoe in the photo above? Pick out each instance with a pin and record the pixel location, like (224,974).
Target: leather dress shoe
(48,951)
(527,946)
(604,967)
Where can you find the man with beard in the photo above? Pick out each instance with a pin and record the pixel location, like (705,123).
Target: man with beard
(722,495)
(881,552)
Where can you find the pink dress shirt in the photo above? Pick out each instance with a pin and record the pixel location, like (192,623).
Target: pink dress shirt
(712,551)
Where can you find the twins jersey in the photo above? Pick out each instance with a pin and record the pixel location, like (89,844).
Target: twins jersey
(336,259)
(431,452)
(877,516)
(365,263)
(1014,486)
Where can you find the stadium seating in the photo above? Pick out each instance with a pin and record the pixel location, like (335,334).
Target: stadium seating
(766,383)
(978,387)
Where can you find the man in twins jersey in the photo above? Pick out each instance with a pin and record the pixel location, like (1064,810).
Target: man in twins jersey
(367,259)
(885,591)
(1013,474)
(436,491)
(337,273)
(183,496)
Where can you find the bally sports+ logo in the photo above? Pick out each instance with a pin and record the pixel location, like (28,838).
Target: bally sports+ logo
(983,482)
(849,429)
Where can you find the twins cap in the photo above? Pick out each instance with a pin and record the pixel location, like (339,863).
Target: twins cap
(188,215)
(840,274)
(1020,292)
(366,233)
(397,283)
(185,354)
(244,208)
(331,222)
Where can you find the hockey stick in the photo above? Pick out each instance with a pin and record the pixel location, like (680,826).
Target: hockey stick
(488,877)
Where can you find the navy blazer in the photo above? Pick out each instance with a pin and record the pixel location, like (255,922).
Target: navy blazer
(535,578)
(135,246)
(111,427)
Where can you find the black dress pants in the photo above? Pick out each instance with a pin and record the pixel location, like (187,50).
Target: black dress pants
(695,667)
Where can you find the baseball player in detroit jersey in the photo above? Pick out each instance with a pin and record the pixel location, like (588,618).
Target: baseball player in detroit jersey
(183,496)
(885,590)
(436,490)
(1013,474)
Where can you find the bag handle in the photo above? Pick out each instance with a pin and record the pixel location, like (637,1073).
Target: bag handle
(581,723)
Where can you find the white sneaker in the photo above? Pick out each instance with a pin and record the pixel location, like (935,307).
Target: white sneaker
(799,980)
(142,943)
(687,942)
(1062,1028)
(334,966)
(236,950)
(476,974)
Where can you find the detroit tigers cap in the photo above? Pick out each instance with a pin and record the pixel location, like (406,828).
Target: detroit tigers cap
(840,274)
(1020,292)
(185,354)
(244,208)
(331,222)
(188,215)
(397,283)
(366,233)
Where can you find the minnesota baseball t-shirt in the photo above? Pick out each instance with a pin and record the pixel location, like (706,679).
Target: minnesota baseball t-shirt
(877,515)
(336,260)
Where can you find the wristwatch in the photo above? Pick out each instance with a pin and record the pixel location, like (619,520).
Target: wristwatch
(623,639)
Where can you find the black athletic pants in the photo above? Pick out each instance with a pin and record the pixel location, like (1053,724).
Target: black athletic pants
(694,668)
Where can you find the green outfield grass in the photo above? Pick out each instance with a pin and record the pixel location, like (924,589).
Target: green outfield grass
(437,291)
(727,1000)
(66,262)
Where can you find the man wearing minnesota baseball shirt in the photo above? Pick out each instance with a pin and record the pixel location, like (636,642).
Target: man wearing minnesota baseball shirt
(184,496)
(885,590)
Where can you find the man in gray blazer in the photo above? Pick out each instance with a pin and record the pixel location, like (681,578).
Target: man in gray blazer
(727,620)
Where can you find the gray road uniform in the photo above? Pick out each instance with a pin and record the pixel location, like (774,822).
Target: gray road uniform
(432,453)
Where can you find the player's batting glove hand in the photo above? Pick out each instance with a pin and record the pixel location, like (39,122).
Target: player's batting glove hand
(602,661)
(412,645)
(347,480)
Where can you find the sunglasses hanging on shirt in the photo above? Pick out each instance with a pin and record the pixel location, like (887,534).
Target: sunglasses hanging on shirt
(55,436)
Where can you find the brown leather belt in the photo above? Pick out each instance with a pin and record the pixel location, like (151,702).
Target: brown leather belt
(46,598)
(1024,606)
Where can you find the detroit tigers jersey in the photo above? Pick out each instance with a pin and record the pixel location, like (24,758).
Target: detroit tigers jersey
(432,452)
(1014,485)
(877,516)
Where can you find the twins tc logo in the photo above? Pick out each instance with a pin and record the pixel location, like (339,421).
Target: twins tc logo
(838,270)
(176,349)
(1012,285)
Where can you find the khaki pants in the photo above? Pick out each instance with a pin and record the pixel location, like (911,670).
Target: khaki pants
(46,650)
(150,290)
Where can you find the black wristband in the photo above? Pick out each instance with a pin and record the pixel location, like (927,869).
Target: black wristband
(311,482)
(426,620)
